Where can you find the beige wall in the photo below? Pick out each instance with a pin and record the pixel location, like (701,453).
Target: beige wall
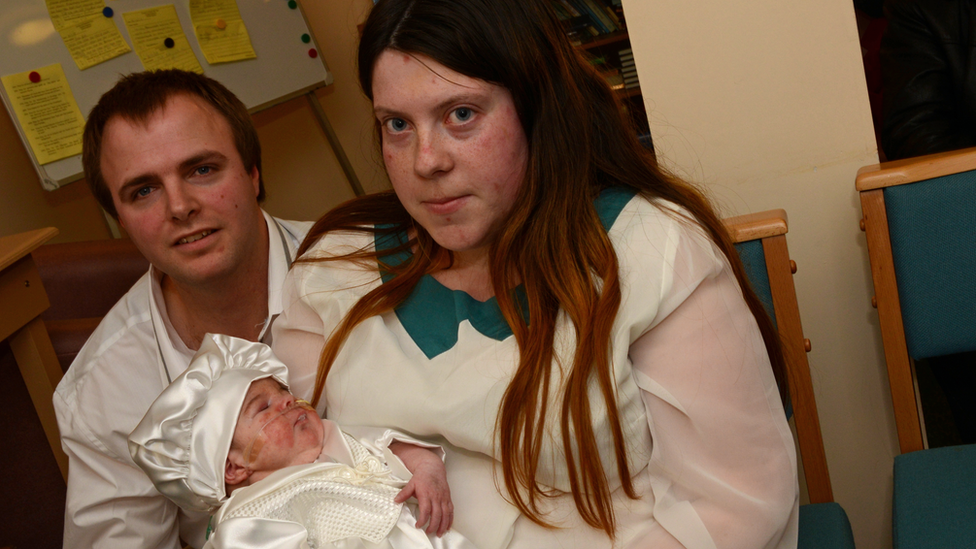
(764,103)
(302,175)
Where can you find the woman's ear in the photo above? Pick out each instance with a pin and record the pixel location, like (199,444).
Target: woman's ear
(235,472)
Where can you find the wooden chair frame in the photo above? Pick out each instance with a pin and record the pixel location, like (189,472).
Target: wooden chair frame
(870,183)
(771,227)
(24,299)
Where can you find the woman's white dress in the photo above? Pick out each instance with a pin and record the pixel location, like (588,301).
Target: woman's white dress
(709,447)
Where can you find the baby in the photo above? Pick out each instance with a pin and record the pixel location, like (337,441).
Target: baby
(226,437)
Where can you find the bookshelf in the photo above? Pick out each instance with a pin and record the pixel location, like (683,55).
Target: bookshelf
(599,30)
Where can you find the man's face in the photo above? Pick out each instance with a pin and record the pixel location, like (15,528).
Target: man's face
(182,193)
(273,432)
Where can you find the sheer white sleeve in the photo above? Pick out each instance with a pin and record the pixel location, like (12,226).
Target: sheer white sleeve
(723,464)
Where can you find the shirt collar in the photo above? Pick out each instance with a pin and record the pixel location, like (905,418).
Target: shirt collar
(174,356)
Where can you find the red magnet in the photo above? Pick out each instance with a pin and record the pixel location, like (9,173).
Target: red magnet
(34,77)
(313,53)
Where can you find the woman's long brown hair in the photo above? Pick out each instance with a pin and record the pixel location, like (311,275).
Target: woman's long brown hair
(553,242)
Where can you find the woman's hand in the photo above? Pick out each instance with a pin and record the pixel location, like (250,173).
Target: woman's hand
(428,485)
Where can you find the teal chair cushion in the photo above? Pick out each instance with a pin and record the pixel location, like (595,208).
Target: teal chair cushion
(754,261)
(824,526)
(934,502)
(932,225)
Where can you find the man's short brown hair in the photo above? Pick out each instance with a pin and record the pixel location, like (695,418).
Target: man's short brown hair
(135,97)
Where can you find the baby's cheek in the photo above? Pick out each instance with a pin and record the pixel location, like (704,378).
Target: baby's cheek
(251,454)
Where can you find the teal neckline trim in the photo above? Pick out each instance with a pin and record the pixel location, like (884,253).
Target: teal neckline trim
(433,312)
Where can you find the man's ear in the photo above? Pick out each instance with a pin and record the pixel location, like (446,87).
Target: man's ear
(256,180)
(234,470)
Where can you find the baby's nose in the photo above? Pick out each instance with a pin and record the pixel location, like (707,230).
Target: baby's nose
(286,401)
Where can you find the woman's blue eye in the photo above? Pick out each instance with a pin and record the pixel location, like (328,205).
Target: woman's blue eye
(463,114)
(396,124)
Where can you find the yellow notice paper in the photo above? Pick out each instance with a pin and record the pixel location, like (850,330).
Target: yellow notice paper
(90,37)
(47,112)
(159,40)
(220,31)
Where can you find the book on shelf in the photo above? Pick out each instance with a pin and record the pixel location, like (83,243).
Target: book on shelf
(580,7)
(580,26)
(599,11)
(599,17)
(565,6)
(630,80)
(616,81)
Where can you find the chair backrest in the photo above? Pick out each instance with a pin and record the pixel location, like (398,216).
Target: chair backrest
(920,222)
(83,281)
(760,239)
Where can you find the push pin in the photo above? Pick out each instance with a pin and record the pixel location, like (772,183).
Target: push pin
(108,12)
(169,43)
(34,77)
(313,53)
(306,38)
(221,24)
(292,4)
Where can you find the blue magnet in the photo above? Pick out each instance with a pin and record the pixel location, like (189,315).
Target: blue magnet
(107,12)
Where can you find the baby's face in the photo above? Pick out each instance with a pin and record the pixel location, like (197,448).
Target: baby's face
(279,432)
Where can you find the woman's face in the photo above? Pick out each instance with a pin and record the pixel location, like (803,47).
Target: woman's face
(453,146)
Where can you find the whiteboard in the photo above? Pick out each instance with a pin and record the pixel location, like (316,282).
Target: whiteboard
(282,70)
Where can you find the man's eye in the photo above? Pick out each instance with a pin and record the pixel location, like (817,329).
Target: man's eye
(396,125)
(143,192)
(463,114)
(203,170)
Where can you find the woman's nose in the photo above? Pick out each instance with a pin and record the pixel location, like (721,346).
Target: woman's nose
(432,156)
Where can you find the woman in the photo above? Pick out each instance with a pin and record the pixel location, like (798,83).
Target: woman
(540,299)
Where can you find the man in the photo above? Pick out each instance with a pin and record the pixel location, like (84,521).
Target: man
(929,77)
(175,158)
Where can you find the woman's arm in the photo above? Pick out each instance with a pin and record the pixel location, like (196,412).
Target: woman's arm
(723,464)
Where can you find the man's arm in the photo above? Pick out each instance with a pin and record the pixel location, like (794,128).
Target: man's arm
(110,503)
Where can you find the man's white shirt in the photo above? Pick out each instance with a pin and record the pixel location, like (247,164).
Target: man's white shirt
(133,354)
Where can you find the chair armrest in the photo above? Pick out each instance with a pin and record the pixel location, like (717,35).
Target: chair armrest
(757,225)
(912,170)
